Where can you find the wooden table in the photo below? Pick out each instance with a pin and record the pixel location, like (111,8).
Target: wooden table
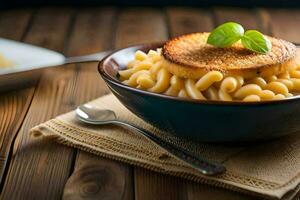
(37,168)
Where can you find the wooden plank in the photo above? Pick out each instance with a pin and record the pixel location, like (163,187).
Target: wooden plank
(49,29)
(13,105)
(151,185)
(246,17)
(95,177)
(98,178)
(13,23)
(40,167)
(188,20)
(93,31)
(264,20)
(284,23)
(13,108)
(204,192)
(138,25)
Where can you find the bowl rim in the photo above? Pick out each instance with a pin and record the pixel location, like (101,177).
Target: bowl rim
(114,81)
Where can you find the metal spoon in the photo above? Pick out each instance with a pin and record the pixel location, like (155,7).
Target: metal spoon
(92,115)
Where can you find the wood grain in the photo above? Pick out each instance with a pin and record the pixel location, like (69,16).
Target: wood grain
(151,185)
(14,23)
(93,31)
(284,23)
(40,167)
(49,28)
(95,177)
(13,105)
(188,20)
(204,192)
(264,21)
(246,17)
(98,178)
(140,25)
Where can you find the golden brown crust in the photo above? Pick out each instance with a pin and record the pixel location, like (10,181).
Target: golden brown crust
(264,71)
(190,56)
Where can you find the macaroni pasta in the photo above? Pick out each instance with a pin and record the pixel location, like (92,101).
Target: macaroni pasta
(147,72)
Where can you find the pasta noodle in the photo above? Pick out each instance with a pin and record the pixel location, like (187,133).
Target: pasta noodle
(259,81)
(252,97)
(163,81)
(183,94)
(277,88)
(229,84)
(224,96)
(208,79)
(266,95)
(147,72)
(247,90)
(212,93)
(192,90)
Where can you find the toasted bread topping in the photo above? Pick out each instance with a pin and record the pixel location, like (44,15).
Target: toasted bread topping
(192,51)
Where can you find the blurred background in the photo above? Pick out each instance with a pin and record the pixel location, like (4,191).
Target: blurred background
(248,3)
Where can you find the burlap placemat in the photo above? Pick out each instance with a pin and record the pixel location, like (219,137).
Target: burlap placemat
(270,169)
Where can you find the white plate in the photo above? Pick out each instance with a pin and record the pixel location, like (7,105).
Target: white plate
(27,57)
(29,60)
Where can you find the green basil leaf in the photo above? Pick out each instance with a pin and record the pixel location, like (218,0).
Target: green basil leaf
(225,35)
(256,41)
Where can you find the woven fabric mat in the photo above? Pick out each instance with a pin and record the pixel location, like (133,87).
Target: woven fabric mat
(269,170)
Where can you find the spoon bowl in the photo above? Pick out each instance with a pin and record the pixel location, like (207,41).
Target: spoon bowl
(95,115)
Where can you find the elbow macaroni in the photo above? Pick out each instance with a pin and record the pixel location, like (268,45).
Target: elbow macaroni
(147,72)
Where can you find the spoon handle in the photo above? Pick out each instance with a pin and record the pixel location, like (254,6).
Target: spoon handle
(200,164)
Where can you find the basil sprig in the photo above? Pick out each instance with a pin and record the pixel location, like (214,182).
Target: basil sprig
(229,33)
(226,35)
(255,41)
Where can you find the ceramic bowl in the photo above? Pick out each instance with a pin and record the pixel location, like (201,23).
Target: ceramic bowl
(206,121)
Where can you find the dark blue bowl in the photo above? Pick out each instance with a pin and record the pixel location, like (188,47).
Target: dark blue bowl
(206,121)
